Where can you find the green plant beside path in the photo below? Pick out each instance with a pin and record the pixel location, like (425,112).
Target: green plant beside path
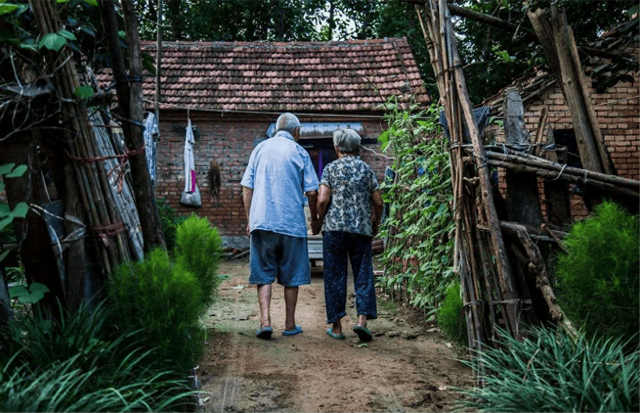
(552,372)
(599,276)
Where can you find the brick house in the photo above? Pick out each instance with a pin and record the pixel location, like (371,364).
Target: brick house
(234,92)
(617,109)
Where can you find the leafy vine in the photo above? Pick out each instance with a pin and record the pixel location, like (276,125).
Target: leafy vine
(419,227)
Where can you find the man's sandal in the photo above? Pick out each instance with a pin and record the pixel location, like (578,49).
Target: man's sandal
(264,333)
(293,332)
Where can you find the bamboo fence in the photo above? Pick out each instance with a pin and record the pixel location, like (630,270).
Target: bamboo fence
(495,292)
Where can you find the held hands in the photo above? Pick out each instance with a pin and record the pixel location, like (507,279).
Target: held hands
(316,226)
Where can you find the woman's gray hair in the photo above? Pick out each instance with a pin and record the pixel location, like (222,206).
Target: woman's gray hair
(287,122)
(346,140)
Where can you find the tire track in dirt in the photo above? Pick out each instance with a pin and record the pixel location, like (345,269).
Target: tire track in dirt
(401,370)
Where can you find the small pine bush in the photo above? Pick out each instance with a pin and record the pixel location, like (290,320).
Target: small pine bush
(199,250)
(164,300)
(552,372)
(598,279)
(170,221)
(451,316)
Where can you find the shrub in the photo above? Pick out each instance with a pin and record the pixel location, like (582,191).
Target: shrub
(451,316)
(163,299)
(599,276)
(550,372)
(199,250)
(170,221)
(70,364)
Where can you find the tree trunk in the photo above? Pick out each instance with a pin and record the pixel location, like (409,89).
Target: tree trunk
(279,20)
(130,108)
(34,242)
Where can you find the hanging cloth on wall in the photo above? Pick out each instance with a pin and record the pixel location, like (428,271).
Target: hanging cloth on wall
(191,194)
(151,135)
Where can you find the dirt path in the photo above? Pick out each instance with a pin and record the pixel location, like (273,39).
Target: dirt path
(406,368)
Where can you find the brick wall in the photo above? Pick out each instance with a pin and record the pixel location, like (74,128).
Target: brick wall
(618,113)
(228,139)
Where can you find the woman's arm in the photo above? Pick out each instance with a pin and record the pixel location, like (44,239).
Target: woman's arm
(324,198)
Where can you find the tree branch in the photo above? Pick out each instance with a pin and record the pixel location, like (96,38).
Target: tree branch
(480,17)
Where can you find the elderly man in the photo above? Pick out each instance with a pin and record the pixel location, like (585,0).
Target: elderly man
(278,173)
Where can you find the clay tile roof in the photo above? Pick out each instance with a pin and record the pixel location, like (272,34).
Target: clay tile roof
(354,75)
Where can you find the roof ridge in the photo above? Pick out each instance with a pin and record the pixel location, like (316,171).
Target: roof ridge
(267,44)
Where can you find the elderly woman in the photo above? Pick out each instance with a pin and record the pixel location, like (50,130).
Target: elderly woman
(347,194)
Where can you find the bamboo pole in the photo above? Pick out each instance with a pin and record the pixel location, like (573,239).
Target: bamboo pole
(498,247)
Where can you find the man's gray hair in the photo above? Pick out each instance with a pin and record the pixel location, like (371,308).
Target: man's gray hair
(346,140)
(287,122)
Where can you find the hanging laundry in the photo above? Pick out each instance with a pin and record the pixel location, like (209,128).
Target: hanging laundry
(191,194)
(151,135)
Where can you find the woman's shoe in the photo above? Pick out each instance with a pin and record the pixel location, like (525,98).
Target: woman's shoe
(363,333)
(331,334)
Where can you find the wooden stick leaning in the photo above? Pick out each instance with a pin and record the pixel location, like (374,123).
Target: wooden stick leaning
(497,243)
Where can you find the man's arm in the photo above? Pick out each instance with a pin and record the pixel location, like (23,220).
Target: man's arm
(312,196)
(247,195)
(324,198)
(376,199)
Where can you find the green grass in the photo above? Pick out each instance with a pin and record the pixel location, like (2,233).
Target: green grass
(73,364)
(551,372)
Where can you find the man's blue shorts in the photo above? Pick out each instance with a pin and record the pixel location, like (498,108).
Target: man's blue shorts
(279,256)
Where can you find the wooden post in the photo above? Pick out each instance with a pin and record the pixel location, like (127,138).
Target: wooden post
(523,201)
(158,63)
(497,243)
(557,41)
(129,91)
(556,194)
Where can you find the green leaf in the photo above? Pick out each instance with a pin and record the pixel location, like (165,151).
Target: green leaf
(67,35)
(92,2)
(4,255)
(38,288)
(20,210)
(148,64)
(53,41)
(18,291)
(31,298)
(18,172)
(6,168)
(5,211)
(84,92)
(8,8)
(5,222)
